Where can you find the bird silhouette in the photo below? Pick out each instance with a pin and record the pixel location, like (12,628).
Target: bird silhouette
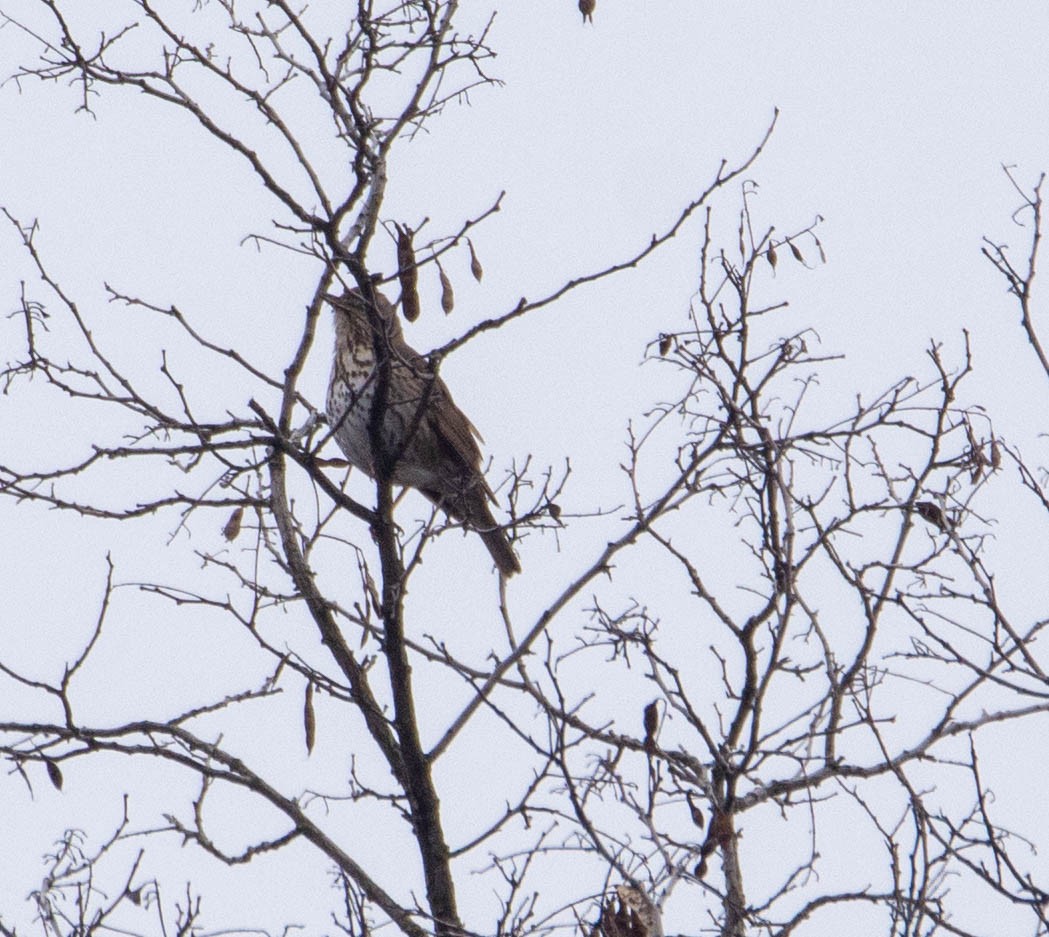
(427,442)
(586,7)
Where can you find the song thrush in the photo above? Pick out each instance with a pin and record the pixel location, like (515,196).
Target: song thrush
(427,441)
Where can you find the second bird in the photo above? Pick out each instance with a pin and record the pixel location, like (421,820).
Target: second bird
(431,443)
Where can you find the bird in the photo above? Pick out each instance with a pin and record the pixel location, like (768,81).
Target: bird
(586,7)
(430,443)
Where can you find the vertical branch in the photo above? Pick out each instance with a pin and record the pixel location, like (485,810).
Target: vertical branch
(1021,283)
(418,779)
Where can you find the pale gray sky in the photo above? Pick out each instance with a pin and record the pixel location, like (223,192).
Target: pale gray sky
(895,120)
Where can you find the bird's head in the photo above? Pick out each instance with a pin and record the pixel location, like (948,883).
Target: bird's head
(353,310)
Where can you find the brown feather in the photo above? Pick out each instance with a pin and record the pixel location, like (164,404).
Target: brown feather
(434,444)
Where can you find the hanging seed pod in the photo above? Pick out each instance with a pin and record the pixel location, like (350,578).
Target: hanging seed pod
(770,256)
(232,528)
(797,253)
(819,247)
(996,454)
(447,294)
(54,774)
(651,721)
(475,265)
(407,273)
(973,445)
(308,719)
(665,341)
(974,457)
(697,814)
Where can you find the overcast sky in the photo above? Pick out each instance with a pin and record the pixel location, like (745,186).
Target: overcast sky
(895,121)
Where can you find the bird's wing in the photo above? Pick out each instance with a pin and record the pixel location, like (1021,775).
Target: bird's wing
(449,421)
(451,427)
(454,428)
(456,435)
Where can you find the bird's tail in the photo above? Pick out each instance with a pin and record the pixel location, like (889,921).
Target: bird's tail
(472,509)
(479,516)
(499,546)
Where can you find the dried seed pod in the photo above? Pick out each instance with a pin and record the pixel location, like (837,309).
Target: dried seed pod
(974,458)
(770,256)
(665,341)
(54,774)
(697,814)
(996,454)
(308,719)
(447,294)
(651,722)
(475,265)
(232,528)
(407,273)
(797,253)
(973,444)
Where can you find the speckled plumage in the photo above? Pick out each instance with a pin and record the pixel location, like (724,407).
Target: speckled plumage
(431,442)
